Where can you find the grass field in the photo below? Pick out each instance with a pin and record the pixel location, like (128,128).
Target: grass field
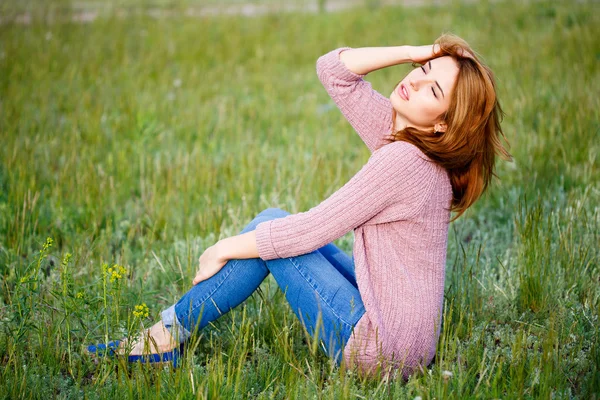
(140,142)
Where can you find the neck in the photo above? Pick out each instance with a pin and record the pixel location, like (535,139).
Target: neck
(399,123)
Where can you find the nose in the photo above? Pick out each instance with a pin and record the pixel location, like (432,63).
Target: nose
(415,84)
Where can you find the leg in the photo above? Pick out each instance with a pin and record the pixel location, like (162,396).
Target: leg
(206,301)
(209,299)
(341,261)
(321,289)
(316,290)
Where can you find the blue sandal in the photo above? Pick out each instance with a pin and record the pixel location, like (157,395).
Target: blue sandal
(172,356)
(103,349)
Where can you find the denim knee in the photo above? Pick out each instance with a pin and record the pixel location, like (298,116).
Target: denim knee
(265,215)
(273,212)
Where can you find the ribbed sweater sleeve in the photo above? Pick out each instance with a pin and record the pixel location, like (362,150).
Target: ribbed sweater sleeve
(368,111)
(395,173)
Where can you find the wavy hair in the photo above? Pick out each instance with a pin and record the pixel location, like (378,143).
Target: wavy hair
(468,147)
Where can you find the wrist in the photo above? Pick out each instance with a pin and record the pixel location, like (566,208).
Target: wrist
(404,54)
(223,250)
(410,53)
(420,54)
(237,247)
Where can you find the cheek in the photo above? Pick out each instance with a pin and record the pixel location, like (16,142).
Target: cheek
(423,108)
(396,101)
(432,108)
(419,109)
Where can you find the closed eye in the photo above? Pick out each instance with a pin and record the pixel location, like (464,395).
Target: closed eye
(433,91)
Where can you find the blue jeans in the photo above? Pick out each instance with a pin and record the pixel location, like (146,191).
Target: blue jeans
(318,285)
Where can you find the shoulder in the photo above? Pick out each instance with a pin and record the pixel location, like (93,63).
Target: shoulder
(405,151)
(409,162)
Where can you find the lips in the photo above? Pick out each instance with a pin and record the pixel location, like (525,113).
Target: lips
(403,92)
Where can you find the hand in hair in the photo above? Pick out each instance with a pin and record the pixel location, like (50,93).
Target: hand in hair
(464,53)
(421,54)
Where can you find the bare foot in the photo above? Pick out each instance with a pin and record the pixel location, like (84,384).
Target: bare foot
(156,339)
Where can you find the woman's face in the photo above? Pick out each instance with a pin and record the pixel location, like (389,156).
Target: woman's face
(424,94)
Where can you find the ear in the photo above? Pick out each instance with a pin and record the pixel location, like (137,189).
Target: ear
(440,127)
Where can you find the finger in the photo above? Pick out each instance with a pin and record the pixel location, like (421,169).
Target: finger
(199,278)
(465,53)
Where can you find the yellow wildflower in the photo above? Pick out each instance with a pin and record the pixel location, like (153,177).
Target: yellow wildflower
(66,259)
(47,245)
(115,273)
(141,311)
(79,295)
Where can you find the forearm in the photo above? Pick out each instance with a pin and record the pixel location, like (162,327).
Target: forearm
(363,60)
(238,247)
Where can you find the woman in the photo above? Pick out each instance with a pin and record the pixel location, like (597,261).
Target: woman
(433,144)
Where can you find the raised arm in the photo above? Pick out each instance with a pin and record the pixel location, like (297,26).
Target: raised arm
(367,111)
(363,60)
(341,72)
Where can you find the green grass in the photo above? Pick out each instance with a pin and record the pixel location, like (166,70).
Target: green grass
(141,142)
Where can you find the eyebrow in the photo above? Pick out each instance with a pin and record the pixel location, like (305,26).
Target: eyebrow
(436,82)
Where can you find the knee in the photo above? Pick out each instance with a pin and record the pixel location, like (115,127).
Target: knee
(265,215)
(273,212)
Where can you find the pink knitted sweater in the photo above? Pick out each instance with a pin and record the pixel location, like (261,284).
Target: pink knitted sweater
(397,205)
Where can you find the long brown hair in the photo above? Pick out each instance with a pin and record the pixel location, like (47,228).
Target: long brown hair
(468,147)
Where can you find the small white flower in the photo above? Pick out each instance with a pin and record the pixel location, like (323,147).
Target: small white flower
(48,35)
(177,82)
(446,375)
(417,398)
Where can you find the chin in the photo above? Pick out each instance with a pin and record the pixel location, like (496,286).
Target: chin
(396,101)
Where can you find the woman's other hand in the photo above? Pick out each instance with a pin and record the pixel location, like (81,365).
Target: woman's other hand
(421,54)
(210,262)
